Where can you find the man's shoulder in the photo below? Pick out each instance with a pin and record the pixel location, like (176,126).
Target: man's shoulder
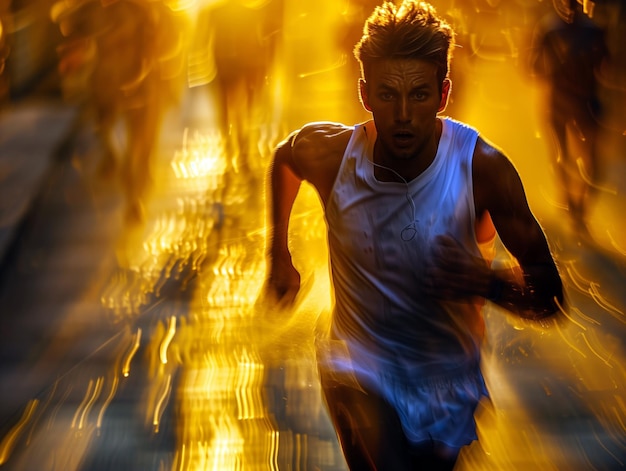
(317,151)
(488,154)
(322,138)
(493,171)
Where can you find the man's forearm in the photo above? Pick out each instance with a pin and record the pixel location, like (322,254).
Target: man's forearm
(284,186)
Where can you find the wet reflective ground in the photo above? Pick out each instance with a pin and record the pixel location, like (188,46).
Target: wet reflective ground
(148,345)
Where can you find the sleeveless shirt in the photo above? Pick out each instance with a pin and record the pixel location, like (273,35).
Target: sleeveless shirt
(383,321)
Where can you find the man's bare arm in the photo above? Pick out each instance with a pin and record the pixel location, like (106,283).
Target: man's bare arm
(499,191)
(285,181)
(313,154)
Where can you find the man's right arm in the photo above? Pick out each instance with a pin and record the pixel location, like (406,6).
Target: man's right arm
(314,154)
(283,279)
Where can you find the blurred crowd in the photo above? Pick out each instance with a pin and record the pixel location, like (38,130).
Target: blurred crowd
(125,63)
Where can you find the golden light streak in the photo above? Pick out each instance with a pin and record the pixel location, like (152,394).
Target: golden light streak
(81,406)
(181,458)
(587,179)
(593,291)
(169,335)
(604,360)
(591,320)
(160,406)
(564,312)
(43,408)
(615,245)
(201,68)
(92,393)
(9,441)
(577,280)
(88,406)
(620,401)
(237,283)
(597,297)
(298,451)
(201,159)
(226,449)
(558,329)
(107,400)
(131,353)
(337,65)
(58,406)
(247,387)
(272,453)
(589,7)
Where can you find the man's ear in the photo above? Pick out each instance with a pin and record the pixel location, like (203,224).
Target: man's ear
(446,86)
(364,96)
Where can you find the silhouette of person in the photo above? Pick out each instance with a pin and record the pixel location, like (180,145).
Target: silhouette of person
(569,50)
(124,50)
(241,39)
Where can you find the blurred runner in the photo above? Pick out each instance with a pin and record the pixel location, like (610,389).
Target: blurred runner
(568,54)
(122,61)
(240,38)
(413,202)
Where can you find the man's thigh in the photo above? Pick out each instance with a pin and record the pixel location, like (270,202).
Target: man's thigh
(371,434)
(368,428)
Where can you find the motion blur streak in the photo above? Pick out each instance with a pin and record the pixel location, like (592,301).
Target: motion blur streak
(162,402)
(7,444)
(93,391)
(105,405)
(131,352)
(169,335)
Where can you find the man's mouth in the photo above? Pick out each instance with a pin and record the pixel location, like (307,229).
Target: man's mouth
(403,137)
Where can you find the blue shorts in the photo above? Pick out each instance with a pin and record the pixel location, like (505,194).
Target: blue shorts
(438,408)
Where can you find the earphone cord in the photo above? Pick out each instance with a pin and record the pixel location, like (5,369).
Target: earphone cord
(410,226)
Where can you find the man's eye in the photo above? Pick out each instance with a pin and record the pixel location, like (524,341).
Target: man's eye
(386,96)
(420,96)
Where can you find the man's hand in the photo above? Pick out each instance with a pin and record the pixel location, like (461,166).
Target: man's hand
(453,273)
(283,282)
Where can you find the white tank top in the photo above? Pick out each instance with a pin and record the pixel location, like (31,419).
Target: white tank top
(379,312)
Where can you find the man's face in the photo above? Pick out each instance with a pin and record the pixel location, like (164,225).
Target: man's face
(404,97)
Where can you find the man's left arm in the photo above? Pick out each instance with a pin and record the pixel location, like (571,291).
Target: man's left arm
(498,190)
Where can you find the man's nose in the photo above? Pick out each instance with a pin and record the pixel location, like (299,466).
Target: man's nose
(403,110)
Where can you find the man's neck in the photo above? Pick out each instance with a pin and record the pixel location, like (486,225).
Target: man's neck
(389,169)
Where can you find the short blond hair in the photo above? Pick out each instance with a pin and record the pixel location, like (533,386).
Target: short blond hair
(410,30)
